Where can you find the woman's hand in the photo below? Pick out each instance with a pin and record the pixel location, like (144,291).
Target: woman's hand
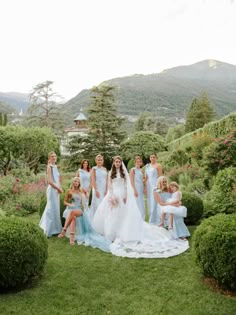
(135,193)
(97,194)
(124,200)
(59,190)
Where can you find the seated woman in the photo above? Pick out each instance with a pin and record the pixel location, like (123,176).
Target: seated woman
(78,221)
(171,206)
(161,194)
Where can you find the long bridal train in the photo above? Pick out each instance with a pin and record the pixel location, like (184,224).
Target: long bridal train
(122,223)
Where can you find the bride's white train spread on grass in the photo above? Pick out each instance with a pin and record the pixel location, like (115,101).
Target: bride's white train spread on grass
(122,223)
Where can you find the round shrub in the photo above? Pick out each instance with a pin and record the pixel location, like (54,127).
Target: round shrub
(214,244)
(23,252)
(194,204)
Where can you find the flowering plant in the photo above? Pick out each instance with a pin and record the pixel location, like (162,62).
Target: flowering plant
(113,201)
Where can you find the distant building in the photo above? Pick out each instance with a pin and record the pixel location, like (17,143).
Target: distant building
(80,128)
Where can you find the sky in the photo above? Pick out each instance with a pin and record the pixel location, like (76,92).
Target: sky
(80,43)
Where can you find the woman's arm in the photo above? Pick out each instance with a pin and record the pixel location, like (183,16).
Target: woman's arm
(67,198)
(159,169)
(106,181)
(94,185)
(132,174)
(50,181)
(158,199)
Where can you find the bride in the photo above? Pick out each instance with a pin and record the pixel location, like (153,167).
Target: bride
(118,218)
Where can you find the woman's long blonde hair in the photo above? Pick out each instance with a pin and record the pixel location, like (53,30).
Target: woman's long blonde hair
(160,183)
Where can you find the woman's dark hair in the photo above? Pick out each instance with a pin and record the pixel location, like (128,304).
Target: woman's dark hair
(113,168)
(82,164)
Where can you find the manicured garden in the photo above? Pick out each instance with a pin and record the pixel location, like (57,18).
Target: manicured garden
(82,280)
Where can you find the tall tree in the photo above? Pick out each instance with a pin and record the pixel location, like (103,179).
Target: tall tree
(147,122)
(44,110)
(105,134)
(143,143)
(200,113)
(3,119)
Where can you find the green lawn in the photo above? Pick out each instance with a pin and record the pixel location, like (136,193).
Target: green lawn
(82,280)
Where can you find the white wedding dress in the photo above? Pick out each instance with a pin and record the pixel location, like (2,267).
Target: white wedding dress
(122,224)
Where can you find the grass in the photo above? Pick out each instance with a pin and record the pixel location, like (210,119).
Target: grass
(82,280)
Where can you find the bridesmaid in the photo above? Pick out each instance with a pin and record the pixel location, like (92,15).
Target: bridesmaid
(153,170)
(99,184)
(137,179)
(51,221)
(78,221)
(74,208)
(161,194)
(84,173)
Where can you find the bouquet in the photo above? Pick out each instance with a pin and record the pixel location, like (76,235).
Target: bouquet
(113,201)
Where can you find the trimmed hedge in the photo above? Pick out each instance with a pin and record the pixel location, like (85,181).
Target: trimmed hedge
(214,129)
(194,204)
(214,245)
(23,252)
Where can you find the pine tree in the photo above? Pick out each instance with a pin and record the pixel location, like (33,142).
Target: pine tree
(200,113)
(105,134)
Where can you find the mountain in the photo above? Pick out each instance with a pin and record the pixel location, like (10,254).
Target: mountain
(15,100)
(170,92)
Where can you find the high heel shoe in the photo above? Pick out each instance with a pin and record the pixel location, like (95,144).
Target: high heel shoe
(63,233)
(72,242)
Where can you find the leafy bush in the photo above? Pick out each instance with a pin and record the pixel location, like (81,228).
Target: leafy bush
(24,251)
(221,153)
(214,245)
(194,204)
(222,197)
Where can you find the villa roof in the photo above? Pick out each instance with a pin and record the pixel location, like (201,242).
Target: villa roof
(81,116)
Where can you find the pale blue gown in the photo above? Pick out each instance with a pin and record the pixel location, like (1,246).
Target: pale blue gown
(152,174)
(85,180)
(179,227)
(84,233)
(51,221)
(138,181)
(101,184)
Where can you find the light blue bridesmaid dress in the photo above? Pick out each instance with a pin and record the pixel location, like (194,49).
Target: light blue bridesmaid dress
(179,227)
(51,221)
(85,180)
(152,174)
(138,181)
(84,233)
(101,181)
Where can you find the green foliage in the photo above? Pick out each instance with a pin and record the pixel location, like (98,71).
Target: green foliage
(194,204)
(214,129)
(221,153)
(148,122)
(199,142)
(142,143)
(105,133)
(3,119)
(23,249)
(222,197)
(25,147)
(178,157)
(175,133)
(200,113)
(214,245)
